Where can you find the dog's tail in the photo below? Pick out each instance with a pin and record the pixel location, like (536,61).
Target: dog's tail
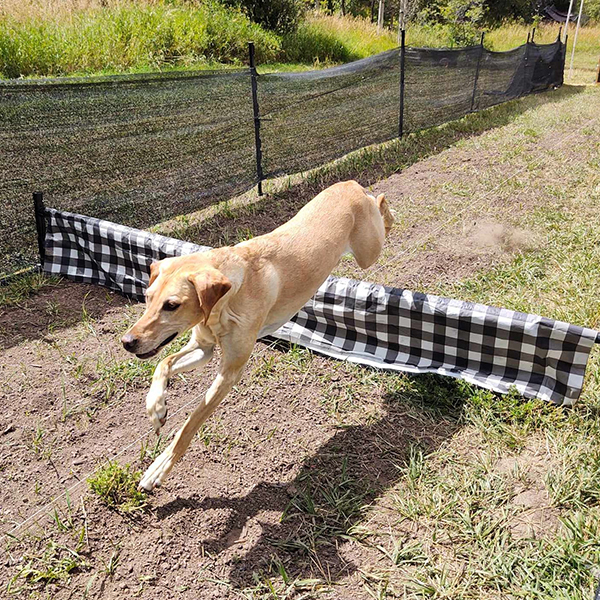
(386,212)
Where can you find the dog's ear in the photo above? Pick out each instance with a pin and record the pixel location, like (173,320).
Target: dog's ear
(154,269)
(381,201)
(211,285)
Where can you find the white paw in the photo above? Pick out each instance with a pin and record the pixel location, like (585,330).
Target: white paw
(157,471)
(156,407)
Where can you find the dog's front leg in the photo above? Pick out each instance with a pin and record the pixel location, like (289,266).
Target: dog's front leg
(232,366)
(195,354)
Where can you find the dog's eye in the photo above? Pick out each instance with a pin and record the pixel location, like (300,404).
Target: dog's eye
(171,305)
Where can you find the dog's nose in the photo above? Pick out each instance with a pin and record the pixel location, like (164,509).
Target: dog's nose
(129,342)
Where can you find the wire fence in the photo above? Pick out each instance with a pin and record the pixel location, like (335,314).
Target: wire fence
(138,149)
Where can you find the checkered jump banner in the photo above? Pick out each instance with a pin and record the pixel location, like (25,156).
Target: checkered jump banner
(360,322)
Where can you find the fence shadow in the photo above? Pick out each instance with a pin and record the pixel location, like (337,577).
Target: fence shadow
(355,467)
(368,166)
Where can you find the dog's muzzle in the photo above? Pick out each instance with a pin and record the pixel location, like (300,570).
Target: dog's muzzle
(130,343)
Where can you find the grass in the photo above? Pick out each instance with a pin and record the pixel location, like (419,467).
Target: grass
(20,287)
(88,37)
(130,36)
(56,562)
(116,486)
(323,40)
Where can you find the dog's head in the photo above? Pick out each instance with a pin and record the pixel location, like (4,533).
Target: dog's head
(181,294)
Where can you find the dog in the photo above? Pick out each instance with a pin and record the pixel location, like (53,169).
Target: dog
(232,296)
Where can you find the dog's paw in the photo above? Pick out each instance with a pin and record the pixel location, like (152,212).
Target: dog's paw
(157,471)
(156,407)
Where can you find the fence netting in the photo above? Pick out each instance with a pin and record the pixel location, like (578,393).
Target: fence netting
(139,149)
(308,119)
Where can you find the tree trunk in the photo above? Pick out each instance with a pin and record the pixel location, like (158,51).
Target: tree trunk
(380,15)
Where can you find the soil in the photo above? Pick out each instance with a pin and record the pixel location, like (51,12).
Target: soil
(226,514)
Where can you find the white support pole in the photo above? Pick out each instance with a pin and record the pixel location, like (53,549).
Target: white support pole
(568,19)
(380,16)
(575,40)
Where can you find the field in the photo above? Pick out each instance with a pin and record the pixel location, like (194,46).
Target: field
(40,38)
(315,478)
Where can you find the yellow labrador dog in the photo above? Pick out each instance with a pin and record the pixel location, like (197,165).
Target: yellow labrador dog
(231,296)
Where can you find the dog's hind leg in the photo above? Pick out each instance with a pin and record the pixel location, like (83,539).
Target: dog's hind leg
(236,351)
(195,354)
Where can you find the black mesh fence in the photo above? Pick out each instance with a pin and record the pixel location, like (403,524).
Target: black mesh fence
(308,119)
(140,149)
(135,150)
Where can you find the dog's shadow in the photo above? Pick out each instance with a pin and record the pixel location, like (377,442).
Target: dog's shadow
(325,503)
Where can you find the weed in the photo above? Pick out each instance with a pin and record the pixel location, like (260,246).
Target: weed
(56,563)
(115,377)
(152,450)
(21,287)
(116,486)
(39,444)
(110,568)
(326,509)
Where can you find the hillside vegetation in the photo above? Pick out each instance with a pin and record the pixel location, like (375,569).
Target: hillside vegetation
(51,38)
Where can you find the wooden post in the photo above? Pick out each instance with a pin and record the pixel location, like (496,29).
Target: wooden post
(401,18)
(598,73)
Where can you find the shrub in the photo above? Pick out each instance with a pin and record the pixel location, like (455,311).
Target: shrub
(282,16)
(129,37)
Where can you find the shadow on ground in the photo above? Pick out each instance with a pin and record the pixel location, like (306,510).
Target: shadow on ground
(326,503)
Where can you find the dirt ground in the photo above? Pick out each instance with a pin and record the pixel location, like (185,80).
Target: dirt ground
(297,427)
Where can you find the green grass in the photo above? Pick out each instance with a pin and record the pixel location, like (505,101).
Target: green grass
(142,37)
(116,486)
(56,563)
(130,37)
(325,40)
(20,287)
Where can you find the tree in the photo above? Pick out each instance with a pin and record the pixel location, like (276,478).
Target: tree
(282,16)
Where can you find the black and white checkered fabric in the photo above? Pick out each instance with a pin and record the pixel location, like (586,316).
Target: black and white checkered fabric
(94,251)
(361,322)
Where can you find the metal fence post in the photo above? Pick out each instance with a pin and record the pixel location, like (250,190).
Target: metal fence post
(40,223)
(257,142)
(402,68)
(532,35)
(477,72)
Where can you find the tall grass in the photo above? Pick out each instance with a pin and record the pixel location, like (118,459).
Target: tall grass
(129,37)
(334,39)
(55,37)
